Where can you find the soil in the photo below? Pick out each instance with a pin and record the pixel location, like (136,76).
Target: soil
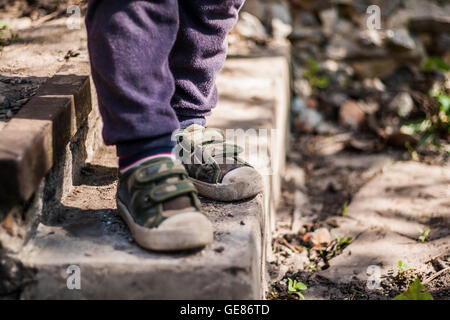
(14,93)
(390,286)
(331,179)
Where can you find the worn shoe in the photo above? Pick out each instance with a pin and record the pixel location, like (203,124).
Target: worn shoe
(160,206)
(214,166)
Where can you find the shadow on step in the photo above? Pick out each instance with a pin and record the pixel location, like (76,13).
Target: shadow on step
(94,232)
(97,175)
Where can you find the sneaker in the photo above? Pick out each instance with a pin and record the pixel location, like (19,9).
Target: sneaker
(215,168)
(160,206)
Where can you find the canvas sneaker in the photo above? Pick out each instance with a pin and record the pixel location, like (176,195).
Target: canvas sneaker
(161,208)
(214,165)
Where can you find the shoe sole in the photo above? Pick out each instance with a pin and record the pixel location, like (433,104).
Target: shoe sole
(183,231)
(227,192)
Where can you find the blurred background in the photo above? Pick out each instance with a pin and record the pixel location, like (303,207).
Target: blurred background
(374,67)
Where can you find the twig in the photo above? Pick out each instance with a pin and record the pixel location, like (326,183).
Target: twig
(436,257)
(46,18)
(434,276)
(438,262)
(287,244)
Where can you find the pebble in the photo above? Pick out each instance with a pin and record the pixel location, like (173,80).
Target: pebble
(13,98)
(318,237)
(219,249)
(351,115)
(403,104)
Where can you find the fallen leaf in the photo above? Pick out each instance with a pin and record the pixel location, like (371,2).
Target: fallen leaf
(416,291)
(8,225)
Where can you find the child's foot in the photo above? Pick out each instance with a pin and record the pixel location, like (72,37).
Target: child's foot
(160,206)
(215,168)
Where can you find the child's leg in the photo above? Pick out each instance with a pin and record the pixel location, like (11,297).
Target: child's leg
(129,45)
(198,55)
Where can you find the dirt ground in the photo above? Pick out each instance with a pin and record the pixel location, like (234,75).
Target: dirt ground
(318,191)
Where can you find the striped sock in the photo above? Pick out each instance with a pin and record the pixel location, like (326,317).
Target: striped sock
(129,162)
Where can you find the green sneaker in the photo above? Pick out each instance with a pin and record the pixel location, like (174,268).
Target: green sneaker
(160,206)
(215,167)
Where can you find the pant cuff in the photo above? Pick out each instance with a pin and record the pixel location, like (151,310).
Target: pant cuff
(138,146)
(186,121)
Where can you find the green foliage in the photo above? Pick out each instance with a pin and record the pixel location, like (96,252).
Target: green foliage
(295,287)
(416,291)
(312,267)
(436,63)
(402,267)
(440,122)
(315,79)
(13,36)
(344,209)
(423,233)
(435,125)
(412,152)
(342,243)
(7,39)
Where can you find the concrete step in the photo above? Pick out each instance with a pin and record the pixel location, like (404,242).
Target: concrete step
(84,230)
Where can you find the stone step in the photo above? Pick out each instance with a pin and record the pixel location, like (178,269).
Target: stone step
(84,230)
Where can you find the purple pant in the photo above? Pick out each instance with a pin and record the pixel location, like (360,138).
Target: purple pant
(154,65)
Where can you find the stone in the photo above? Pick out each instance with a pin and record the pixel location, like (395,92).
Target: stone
(430,23)
(400,39)
(103,252)
(336,99)
(344,28)
(329,18)
(312,35)
(312,5)
(374,38)
(34,139)
(280,19)
(88,232)
(304,18)
(280,11)
(387,7)
(302,88)
(297,261)
(254,7)
(250,26)
(374,84)
(11,274)
(402,104)
(307,118)
(443,44)
(298,104)
(374,68)
(351,115)
(338,72)
(341,48)
(280,29)
(304,51)
(318,238)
